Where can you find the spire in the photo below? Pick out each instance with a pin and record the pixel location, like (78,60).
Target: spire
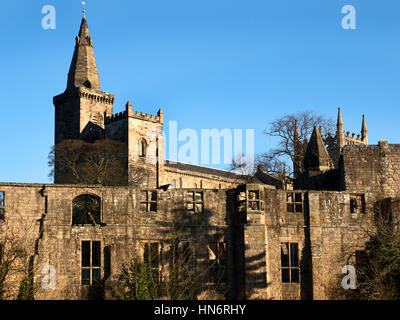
(364,131)
(317,157)
(83,71)
(340,131)
(339,119)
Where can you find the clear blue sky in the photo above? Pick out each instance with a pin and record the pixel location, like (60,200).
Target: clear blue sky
(207,64)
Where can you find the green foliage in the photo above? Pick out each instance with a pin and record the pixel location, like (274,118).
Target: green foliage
(137,282)
(25,291)
(379,274)
(4,269)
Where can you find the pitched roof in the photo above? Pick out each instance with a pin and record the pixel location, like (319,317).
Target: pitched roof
(83,70)
(317,157)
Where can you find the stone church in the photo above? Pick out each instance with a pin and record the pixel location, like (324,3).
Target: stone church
(268,239)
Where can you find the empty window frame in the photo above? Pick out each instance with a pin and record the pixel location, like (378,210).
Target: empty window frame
(86,209)
(194,201)
(357,204)
(2,205)
(148,201)
(183,258)
(290,263)
(294,202)
(91,262)
(173,184)
(217,262)
(254,201)
(152,256)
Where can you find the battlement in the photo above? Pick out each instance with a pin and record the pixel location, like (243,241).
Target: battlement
(116,117)
(129,112)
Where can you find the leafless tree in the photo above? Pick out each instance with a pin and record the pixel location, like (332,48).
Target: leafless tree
(284,129)
(242,165)
(101,162)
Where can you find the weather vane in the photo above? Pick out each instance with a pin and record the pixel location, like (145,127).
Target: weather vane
(84,7)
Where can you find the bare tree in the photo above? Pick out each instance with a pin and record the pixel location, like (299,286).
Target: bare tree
(284,129)
(101,162)
(242,165)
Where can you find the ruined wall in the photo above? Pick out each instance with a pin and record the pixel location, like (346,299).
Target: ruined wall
(372,169)
(254,221)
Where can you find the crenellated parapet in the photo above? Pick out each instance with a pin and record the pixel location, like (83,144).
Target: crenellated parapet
(116,117)
(129,112)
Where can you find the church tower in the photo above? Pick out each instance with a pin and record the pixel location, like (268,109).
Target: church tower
(81,110)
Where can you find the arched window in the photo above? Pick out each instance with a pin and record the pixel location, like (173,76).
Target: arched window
(195,185)
(173,184)
(180,183)
(86,210)
(142,147)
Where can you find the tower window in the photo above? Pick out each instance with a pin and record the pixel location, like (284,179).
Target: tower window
(91,265)
(142,148)
(290,262)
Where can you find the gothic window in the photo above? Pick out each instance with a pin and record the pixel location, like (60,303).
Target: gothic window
(86,209)
(254,200)
(142,147)
(91,265)
(149,201)
(194,201)
(2,194)
(152,256)
(217,262)
(357,204)
(290,262)
(294,202)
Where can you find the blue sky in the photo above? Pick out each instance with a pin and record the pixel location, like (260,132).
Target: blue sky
(207,64)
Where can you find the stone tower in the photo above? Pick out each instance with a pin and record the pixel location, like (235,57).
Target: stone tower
(80,111)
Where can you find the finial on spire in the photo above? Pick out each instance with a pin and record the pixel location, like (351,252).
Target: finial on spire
(84,7)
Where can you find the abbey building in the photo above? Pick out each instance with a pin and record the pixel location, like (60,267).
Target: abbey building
(266,239)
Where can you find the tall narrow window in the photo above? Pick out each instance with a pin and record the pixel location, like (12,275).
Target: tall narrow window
(290,262)
(142,148)
(180,183)
(217,262)
(2,193)
(149,201)
(152,256)
(173,184)
(91,265)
